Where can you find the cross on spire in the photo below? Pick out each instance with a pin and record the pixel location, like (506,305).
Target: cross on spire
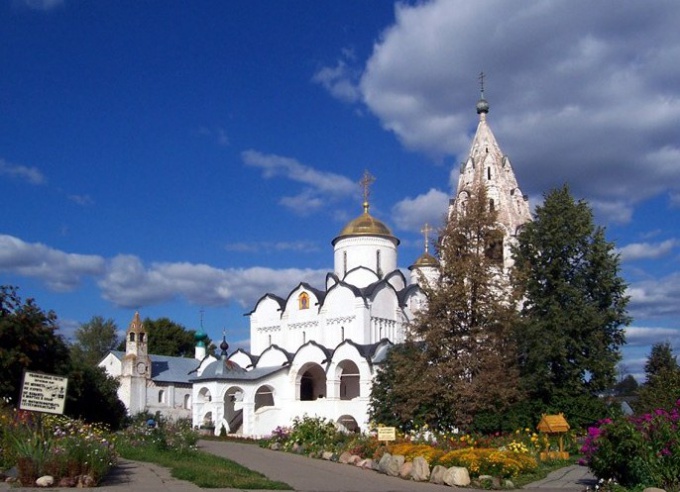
(481,82)
(366,181)
(426,232)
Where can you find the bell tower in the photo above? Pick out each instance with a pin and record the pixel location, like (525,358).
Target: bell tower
(136,371)
(487,165)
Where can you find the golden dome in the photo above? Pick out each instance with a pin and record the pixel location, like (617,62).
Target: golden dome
(366,225)
(425,260)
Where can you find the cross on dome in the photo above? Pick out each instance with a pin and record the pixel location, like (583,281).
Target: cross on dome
(426,232)
(366,181)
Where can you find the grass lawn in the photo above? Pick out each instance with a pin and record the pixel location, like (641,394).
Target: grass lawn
(203,469)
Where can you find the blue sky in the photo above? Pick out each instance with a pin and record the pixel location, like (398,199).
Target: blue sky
(172,157)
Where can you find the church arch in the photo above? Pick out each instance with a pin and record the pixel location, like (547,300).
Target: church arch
(264,397)
(233,408)
(204,395)
(311,381)
(349,423)
(348,373)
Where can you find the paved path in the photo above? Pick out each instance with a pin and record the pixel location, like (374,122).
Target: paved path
(301,473)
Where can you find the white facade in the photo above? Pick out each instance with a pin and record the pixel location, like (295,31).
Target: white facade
(316,351)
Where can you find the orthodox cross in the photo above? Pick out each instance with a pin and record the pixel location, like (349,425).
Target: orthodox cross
(366,181)
(481,81)
(426,232)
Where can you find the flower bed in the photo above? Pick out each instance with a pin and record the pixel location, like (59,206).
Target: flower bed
(70,451)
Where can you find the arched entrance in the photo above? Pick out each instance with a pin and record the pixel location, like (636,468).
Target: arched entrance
(349,423)
(312,379)
(233,409)
(264,397)
(349,376)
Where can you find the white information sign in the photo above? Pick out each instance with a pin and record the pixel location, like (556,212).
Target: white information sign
(43,393)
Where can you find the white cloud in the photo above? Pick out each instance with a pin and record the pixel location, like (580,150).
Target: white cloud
(340,81)
(30,175)
(128,283)
(82,200)
(580,93)
(43,5)
(639,251)
(321,187)
(269,247)
(59,270)
(647,336)
(655,298)
(412,213)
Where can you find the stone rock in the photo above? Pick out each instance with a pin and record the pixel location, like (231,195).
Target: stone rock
(45,481)
(437,475)
(354,459)
(382,464)
(66,482)
(391,464)
(327,455)
(275,446)
(405,470)
(457,476)
(653,489)
(421,470)
(85,481)
(345,457)
(508,484)
(367,464)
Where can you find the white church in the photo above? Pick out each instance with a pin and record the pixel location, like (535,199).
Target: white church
(316,351)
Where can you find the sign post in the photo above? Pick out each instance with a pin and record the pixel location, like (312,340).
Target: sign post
(387,433)
(43,393)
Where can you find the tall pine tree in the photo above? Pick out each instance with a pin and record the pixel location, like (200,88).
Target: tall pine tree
(574,309)
(465,361)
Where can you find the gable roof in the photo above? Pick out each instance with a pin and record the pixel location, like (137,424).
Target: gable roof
(167,369)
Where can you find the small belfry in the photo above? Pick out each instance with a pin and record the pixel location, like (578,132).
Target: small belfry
(487,165)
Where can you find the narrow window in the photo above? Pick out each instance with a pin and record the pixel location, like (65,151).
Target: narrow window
(304,337)
(377,263)
(488,173)
(141,338)
(342,332)
(187,402)
(270,339)
(132,337)
(161,396)
(344,263)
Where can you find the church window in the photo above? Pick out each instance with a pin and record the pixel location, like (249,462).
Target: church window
(132,337)
(187,402)
(161,396)
(304,337)
(342,333)
(493,249)
(141,338)
(270,339)
(303,301)
(378,269)
(488,173)
(344,262)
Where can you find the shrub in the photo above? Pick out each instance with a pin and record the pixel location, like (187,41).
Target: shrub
(637,451)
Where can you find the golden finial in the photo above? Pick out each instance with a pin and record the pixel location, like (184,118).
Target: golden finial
(366,181)
(426,232)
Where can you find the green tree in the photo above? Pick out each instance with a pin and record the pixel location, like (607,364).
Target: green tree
(662,384)
(468,362)
(28,341)
(574,308)
(660,360)
(169,338)
(94,340)
(626,387)
(93,395)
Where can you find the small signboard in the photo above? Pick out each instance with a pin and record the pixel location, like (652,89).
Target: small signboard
(387,433)
(43,393)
